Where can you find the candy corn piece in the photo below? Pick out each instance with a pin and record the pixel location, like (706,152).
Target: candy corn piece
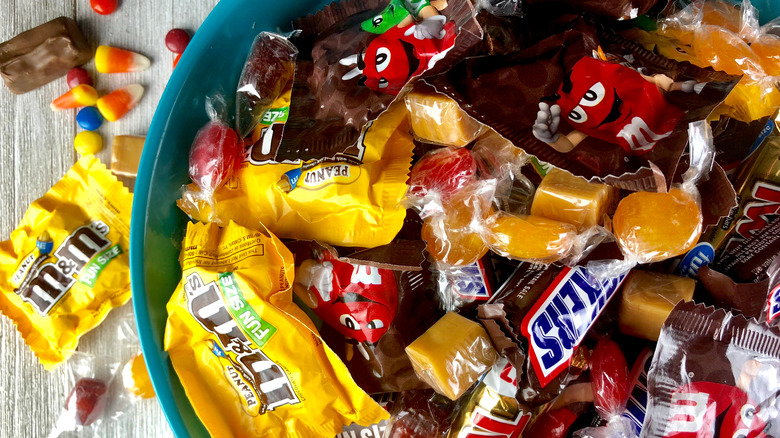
(116,104)
(78,96)
(176,60)
(113,60)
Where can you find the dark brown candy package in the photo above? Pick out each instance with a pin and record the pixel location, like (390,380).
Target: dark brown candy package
(616,9)
(590,102)
(357,56)
(714,374)
(42,54)
(267,75)
(369,315)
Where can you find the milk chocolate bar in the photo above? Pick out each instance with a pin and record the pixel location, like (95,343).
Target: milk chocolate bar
(44,53)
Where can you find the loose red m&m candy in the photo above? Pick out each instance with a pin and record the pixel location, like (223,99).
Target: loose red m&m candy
(176,40)
(77,76)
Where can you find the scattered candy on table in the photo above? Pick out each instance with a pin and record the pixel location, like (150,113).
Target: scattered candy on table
(113,60)
(77,76)
(104,7)
(115,105)
(76,97)
(88,142)
(89,118)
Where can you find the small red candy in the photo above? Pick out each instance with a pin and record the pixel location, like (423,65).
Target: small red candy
(214,151)
(77,76)
(444,171)
(177,40)
(609,378)
(87,400)
(103,7)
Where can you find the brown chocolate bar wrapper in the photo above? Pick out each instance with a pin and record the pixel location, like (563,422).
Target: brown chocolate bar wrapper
(502,317)
(745,298)
(504,92)
(725,362)
(757,183)
(327,113)
(42,54)
(733,140)
(749,261)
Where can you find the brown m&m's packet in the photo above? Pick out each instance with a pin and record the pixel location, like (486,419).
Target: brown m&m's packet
(713,371)
(356,56)
(66,265)
(590,102)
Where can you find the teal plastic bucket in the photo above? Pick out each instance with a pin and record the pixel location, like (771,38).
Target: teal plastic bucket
(211,64)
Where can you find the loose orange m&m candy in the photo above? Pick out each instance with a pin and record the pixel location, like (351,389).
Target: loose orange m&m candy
(657,226)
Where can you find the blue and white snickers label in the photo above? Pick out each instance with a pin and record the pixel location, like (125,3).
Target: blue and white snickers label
(561,317)
(471,284)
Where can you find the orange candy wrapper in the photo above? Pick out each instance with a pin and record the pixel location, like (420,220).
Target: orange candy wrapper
(66,266)
(250,360)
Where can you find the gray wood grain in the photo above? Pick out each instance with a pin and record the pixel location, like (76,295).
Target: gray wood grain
(36,149)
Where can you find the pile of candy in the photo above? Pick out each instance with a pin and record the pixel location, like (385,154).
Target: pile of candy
(498,218)
(448,219)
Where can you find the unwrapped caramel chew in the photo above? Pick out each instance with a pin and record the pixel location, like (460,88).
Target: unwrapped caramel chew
(452,354)
(44,53)
(126,154)
(564,197)
(648,298)
(438,119)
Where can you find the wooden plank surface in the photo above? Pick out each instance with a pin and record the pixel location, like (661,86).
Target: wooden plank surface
(36,150)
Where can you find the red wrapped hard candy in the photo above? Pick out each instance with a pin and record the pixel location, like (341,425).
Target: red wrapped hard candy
(87,400)
(443,171)
(213,154)
(609,378)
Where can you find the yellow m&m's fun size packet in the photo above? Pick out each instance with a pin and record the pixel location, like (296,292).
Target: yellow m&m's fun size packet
(66,265)
(353,199)
(250,360)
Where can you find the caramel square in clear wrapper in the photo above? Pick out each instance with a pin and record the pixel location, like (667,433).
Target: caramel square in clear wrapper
(452,354)
(438,119)
(567,198)
(126,155)
(648,299)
